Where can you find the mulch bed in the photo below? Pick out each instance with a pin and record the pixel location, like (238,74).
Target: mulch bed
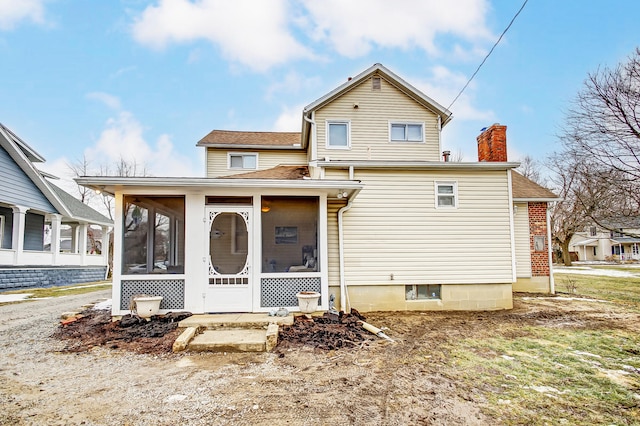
(94,328)
(327,332)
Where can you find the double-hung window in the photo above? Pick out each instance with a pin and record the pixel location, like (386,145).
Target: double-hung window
(243,161)
(446,195)
(338,135)
(406,132)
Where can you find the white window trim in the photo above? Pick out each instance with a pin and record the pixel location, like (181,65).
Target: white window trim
(419,123)
(1,229)
(455,193)
(244,154)
(327,142)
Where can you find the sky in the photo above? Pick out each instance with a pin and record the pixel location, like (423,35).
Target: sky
(145,80)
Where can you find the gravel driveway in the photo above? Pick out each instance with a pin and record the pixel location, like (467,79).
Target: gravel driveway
(40,385)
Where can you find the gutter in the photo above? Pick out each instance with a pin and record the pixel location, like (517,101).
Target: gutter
(418,165)
(344,295)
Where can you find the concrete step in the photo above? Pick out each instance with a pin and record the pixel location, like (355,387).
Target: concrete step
(236,320)
(229,340)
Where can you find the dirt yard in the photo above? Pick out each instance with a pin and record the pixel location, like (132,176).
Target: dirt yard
(45,380)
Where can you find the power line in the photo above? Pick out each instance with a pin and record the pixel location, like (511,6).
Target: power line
(489,54)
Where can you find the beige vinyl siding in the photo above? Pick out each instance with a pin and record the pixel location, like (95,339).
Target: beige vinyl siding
(394,228)
(523,245)
(336,174)
(369,125)
(332,242)
(217,164)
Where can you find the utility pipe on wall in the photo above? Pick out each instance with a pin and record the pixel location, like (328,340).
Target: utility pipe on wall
(345,304)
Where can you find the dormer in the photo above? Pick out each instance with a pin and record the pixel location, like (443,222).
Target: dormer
(374,116)
(233,152)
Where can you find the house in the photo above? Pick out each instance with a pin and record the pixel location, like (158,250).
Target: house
(617,239)
(359,205)
(33,214)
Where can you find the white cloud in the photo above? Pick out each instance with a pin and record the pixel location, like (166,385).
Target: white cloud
(253,33)
(444,85)
(13,12)
(123,138)
(111,101)
(293,83)
(122,71)
(353,27)
(289,120)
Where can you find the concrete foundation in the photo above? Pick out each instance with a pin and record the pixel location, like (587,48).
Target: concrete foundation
(453,297)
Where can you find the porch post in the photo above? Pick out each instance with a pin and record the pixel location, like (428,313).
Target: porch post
(82,243)
(56,221)
(105,247)
(17,237)
(74,238)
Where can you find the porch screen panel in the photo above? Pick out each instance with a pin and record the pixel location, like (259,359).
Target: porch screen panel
(153,235)
(290,234)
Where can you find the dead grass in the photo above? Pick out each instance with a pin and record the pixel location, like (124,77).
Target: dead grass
(580,368)
(41,293)
(625,291)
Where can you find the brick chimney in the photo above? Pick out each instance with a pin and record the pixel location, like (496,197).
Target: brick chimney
(492,143)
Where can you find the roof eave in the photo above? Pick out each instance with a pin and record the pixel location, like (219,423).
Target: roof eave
(113,184)
(34,174)
(534,199)
(247,146)
(419,165)
(401,84)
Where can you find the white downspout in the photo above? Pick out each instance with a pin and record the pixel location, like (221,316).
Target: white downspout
(552,284)
(439,128)
(314,147)
(345,304)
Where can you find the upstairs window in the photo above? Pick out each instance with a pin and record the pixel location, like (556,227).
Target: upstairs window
(338,135)
(616,233)
(243,161)
(593,231)
(446,195)
(407,132)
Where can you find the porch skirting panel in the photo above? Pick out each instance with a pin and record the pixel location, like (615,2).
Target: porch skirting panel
(172,292)
(281,292)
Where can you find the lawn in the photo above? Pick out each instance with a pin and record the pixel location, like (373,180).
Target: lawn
(45,292)
(583,369)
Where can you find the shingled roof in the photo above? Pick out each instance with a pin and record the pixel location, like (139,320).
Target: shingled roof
(251,139)
(79,209)
(278,173)
(526,189)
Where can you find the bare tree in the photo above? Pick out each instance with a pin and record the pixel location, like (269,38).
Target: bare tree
(458,156)
(602,135)
(567,215)
(82,167)
(123,168)
(531,169)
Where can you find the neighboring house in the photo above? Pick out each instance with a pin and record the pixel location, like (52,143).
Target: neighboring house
(596,243)
(359,205)
(33,211)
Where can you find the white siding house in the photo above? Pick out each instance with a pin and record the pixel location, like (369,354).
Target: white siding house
(359,205)
(33,214)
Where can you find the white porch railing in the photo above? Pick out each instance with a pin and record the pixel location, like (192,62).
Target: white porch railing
(46,258)
(7,256)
